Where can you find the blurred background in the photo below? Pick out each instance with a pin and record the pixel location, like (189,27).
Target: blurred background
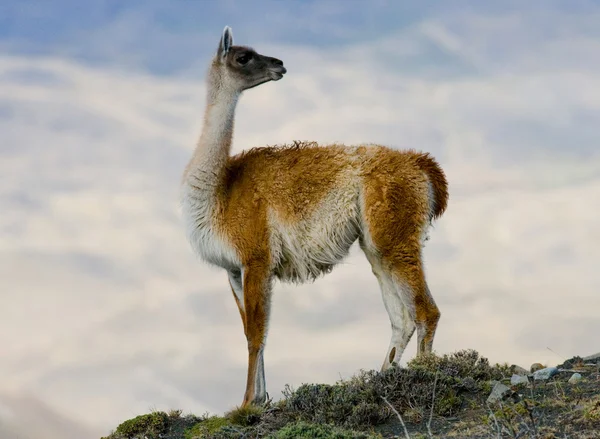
(105,313)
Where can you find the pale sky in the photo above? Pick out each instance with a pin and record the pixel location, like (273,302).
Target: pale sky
(105,313)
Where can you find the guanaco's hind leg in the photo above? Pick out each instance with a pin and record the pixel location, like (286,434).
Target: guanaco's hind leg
(409,276)
(407,300)
(401,319)
(430,319)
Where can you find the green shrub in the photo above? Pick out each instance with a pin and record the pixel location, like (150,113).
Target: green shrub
(465,364)
(412,388)
(154,425)
(349,404)
(245,416)
(151,425)
(206,427)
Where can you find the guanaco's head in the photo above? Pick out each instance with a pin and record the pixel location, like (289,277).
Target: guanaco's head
(240,68)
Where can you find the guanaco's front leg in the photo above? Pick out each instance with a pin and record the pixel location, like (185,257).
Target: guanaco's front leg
(257,298)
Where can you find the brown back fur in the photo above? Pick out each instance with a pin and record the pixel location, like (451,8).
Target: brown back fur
(292,180)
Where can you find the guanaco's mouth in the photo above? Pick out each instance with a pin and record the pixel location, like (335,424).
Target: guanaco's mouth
(274,74)
(277,73)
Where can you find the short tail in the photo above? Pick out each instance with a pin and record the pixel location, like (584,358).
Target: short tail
(438,184)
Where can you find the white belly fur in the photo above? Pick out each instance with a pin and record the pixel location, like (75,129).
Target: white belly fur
(303,250)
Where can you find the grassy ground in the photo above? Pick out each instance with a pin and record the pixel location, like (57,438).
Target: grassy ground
(440,397)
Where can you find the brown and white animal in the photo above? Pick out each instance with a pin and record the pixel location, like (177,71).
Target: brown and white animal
(292,212)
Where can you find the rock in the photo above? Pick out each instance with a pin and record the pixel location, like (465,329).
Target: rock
(518,370)
(515,380)
(535,367)
(576,377)
(572,363)
(595,358)
(498,393)
(545,374)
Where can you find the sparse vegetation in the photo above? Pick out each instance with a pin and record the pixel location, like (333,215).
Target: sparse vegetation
(306,430)
(373,405)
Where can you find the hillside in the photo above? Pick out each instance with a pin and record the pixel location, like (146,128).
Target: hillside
(452,396)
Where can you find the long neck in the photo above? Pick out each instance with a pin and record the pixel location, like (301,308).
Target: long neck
(212,151)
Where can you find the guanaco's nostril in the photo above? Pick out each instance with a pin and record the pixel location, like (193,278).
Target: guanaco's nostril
(278,61)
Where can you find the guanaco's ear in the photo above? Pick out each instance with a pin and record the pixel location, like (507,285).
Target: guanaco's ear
(226,42)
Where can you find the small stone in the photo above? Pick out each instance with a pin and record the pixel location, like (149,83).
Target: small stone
(575,378)
(518,370)
(498,393)
(535,367)
(515,380)
(545,374)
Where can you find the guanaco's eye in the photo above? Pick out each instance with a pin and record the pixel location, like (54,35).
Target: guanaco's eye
(243,59)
